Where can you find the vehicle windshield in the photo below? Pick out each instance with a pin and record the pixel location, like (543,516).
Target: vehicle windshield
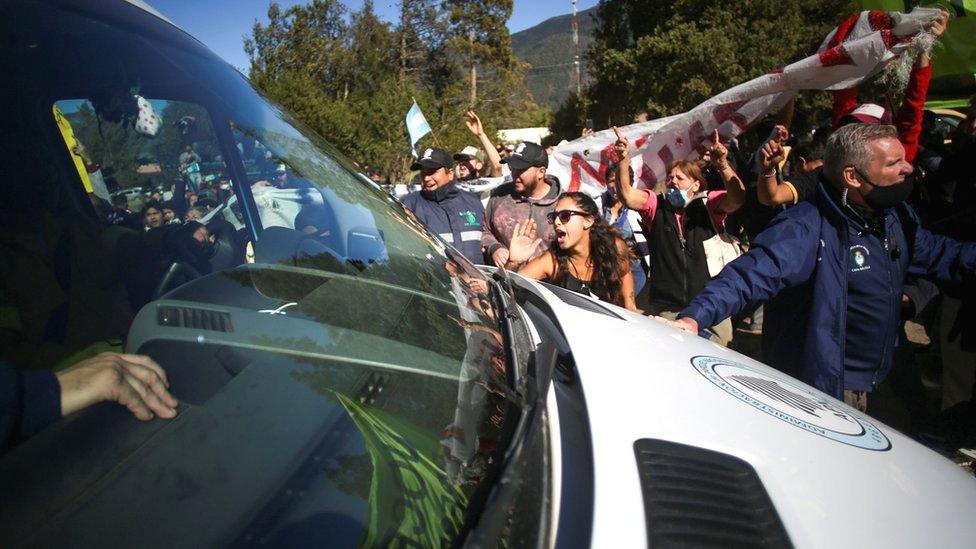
(340,372)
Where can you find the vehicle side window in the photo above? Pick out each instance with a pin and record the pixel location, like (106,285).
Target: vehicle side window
(157,184)
(130,150)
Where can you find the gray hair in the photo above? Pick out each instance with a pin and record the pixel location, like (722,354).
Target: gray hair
(850,146)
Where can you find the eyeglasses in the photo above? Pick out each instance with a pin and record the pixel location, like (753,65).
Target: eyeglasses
(563,215)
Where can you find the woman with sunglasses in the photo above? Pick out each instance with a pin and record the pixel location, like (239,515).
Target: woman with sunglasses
(587,256)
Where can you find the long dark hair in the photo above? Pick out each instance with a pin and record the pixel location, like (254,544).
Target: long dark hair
(605,282)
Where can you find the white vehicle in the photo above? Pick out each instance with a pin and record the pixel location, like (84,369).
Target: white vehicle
(346,379)
(130,194)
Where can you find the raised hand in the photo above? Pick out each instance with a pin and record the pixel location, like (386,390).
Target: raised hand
(938,26)
(524,242)
(717,154)
(622,146)
(781,134)
(771,155)
(474,123)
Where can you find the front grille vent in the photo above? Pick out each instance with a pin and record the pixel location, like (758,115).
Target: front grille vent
(697,497)
(197,319)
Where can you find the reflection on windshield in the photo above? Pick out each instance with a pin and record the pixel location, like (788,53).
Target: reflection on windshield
(356,371)
(412,502)
(429,432)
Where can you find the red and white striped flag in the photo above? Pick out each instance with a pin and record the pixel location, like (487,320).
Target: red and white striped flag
(856,50)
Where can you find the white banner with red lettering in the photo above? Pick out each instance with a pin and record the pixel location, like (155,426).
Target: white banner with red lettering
(854,51)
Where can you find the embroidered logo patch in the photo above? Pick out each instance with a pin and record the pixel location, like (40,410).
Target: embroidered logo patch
(859,258)
(470,219)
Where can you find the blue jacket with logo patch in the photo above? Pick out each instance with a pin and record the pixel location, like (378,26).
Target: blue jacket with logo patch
(456,216)
(803,262)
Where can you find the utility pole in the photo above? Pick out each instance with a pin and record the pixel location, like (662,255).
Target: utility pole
(403,39)
(474,73)
(576,52)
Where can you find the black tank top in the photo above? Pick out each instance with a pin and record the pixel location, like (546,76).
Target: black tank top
(574,284)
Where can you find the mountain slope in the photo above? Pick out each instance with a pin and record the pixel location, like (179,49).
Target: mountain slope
(548,48)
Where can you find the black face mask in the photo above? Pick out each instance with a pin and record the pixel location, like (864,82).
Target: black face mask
(881,198)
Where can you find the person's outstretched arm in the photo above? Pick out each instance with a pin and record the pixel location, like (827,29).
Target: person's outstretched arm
(768,189)
(31,401)
(908,118)
(718,156)
(634,198)
(783,255)
(521,248)
(474,124)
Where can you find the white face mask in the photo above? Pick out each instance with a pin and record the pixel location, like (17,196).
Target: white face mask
(677,197)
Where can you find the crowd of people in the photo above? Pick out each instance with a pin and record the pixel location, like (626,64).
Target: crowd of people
(847,232)
(844,233)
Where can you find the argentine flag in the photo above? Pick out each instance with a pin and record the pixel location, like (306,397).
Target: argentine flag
(417,126)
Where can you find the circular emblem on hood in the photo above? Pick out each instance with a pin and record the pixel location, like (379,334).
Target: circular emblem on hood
(786,399)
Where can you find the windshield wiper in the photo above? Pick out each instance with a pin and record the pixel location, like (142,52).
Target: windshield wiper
(504,295)
(518,415)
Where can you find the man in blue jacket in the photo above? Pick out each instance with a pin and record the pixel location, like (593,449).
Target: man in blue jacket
(456,215)
(834,269)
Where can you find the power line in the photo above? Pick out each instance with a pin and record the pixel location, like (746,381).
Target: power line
(552,66)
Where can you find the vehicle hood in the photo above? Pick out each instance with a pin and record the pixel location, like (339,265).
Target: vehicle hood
(834,475)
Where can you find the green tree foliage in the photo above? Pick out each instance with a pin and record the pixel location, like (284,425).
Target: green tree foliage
(663,58)
(478,30)
(353,78)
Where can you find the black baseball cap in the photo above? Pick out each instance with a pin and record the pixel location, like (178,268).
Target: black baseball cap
(527,154)
(433,159)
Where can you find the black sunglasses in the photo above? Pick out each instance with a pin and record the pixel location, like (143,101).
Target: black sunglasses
(563,215)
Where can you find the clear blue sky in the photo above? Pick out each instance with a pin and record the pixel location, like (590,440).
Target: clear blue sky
(222,24)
